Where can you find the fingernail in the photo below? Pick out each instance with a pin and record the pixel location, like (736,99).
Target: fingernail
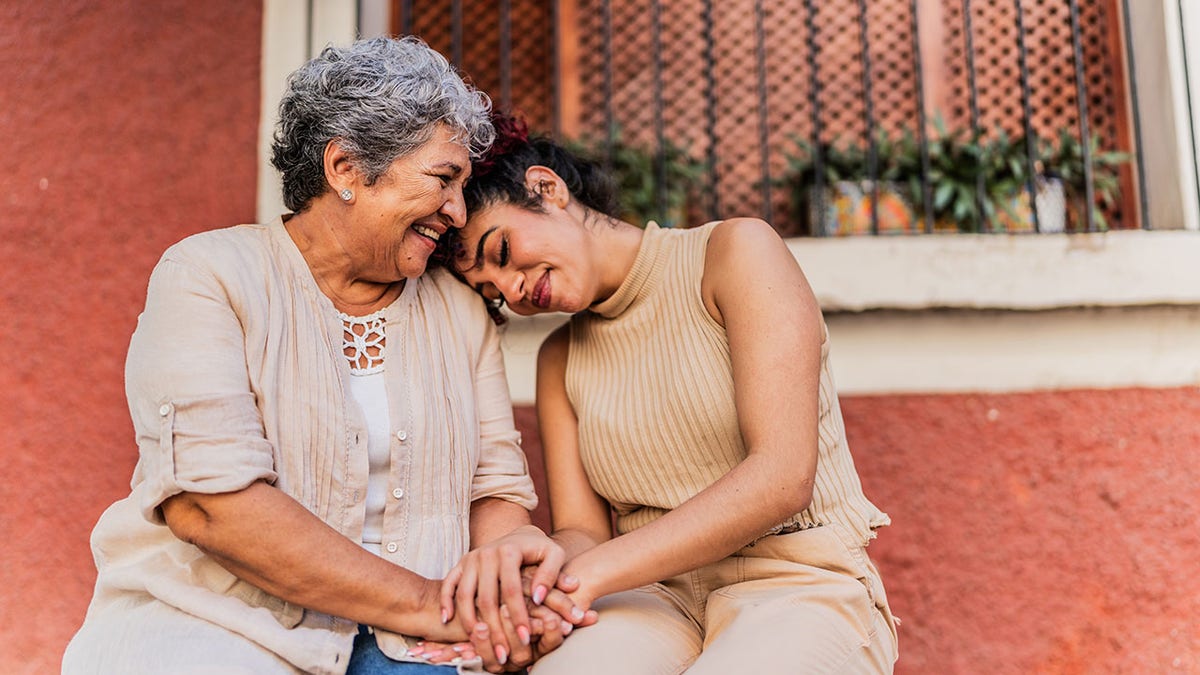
(445,616)
(539,594)
(567,628)
(523,633)
(577,614)
(501,655)
(457,648)
(571,579)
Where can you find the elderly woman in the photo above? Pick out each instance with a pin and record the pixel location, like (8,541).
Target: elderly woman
(322,430)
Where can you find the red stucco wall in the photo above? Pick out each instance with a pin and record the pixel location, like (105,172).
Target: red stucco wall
(1035,533)
(125,126)
(1058,533)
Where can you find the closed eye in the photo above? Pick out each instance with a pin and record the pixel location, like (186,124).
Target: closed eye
(503,251)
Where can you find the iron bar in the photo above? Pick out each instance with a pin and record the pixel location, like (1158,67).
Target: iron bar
(764,150)
(1085,138)
(556,69)
(506,55)
(1027,119)
(922,119)
(976,136)
(710,110)
(817,209)
(869,115)
(406,17)
(660,160)
(456,33)
(610,124)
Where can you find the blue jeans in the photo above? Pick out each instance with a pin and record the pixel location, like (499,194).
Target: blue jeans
(366,659)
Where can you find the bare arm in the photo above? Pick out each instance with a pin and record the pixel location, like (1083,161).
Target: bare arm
(580,517)
(268,539)
(753,286)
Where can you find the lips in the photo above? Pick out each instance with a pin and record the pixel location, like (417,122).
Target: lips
(427,232)
(541,291)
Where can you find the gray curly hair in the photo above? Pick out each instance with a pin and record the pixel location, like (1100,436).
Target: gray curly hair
(380,99)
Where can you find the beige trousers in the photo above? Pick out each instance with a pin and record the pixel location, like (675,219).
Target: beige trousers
(807,602)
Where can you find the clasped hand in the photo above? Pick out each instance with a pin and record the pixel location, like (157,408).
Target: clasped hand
(512,600)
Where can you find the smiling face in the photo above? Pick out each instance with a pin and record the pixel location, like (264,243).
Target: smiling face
(398,220)
(536,262)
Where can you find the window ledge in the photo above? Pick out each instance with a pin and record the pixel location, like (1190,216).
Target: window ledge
(1021,272)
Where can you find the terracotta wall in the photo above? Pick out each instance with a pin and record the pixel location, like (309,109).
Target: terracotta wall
(1043,532)
(1052,532)
(125,127)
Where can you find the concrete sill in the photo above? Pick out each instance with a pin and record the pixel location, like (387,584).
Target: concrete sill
(1016,272)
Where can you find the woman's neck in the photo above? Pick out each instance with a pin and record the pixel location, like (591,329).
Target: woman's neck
(618,243)
(315,235)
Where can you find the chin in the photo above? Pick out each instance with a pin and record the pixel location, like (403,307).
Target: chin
(524,310)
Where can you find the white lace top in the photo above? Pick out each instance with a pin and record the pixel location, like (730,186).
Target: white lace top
(363,343)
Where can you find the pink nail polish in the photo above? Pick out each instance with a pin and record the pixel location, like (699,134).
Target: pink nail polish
(523,633)
(501,655)
(445,616)
(539,594)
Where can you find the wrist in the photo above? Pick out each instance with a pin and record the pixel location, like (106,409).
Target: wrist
(593,578)
(419,614)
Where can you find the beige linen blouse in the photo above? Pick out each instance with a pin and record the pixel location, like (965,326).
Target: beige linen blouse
(235,374)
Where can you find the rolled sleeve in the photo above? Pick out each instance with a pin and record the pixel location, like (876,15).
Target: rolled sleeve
(502,471)
(198,427)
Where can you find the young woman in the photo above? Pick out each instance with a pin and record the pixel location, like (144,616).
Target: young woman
(690,395)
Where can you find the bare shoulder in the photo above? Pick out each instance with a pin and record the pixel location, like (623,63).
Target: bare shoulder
(745,257)
(743,234)
(747,245)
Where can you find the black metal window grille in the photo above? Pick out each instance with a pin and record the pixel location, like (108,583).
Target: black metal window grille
(742,86)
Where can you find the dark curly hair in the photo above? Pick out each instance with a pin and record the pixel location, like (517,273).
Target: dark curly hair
(498,177)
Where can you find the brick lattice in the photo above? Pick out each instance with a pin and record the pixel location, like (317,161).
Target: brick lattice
(689,101)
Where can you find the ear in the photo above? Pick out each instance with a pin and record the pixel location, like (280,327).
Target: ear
(340,171)
(544,181)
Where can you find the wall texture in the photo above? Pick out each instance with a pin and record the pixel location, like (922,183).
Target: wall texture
(1040,532)
(1051,532)
(125,127)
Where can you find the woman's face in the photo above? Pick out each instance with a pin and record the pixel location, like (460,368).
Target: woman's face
(397,221)
(537,262)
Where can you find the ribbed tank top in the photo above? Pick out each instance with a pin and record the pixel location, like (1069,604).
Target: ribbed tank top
(651,383)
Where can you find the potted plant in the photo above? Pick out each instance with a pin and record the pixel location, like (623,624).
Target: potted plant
(849,196)
(635,170)
(960,164)
(976,184)
(1065,161)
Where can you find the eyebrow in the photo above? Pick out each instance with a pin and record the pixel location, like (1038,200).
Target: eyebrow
(478,265)
(453,166)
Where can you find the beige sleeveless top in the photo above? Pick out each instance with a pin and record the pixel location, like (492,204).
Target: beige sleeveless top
(649,377)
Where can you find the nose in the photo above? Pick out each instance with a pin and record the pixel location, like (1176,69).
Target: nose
(512,286)
(455,208)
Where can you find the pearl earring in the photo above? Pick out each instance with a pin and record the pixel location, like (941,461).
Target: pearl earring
(346,194)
